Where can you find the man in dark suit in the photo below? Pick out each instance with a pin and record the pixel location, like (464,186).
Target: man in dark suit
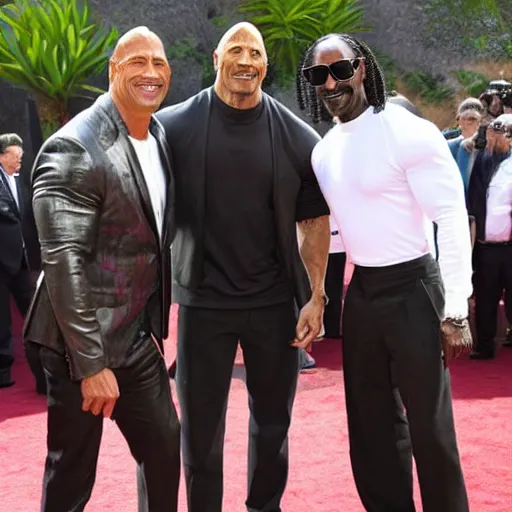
(19,255)
(103,204)
(244,185)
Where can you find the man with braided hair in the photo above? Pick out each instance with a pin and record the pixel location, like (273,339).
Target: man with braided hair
(404,314)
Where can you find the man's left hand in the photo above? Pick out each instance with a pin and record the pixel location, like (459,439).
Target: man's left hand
(310,323)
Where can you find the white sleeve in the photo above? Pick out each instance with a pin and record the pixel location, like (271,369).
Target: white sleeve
(436,183)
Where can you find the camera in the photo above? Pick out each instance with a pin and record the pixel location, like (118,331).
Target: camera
(499,85)
(481,137)
(506,98)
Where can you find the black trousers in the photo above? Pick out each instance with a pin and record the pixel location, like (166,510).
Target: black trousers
(397,391)
(144,413)
(207,344)
(334,290)
(21,288)
(493,274)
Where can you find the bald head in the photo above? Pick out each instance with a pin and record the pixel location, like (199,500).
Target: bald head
(134,37)
(139,74)
(333,44)
(240,61)
(504,124)
(240,32)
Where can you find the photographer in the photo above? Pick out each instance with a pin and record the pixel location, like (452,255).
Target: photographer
(469,116)
(491,100)
(506,101)
(490,204)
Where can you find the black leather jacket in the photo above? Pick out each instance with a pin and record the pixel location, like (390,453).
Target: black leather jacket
(105,270)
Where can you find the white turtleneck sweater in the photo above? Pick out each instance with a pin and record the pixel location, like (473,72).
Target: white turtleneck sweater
(386,177)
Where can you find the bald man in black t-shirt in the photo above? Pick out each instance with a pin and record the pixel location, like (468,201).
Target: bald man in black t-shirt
(243,183)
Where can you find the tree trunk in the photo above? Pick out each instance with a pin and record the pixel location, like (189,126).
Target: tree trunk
(51,110)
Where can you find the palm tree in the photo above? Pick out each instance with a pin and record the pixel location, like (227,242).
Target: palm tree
(51,48)
(289,26)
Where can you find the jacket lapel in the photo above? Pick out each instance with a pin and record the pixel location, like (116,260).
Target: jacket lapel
(142,188)
(21,196)
(8,192)
(197,179)
(127,149)
(157,131)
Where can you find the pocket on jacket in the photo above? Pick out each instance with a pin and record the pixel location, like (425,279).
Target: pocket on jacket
(435,291)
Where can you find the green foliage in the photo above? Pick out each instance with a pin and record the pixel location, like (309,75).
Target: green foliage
(289,26)
(219,21)
(48,128)
(389,69)
(52,47)
(186,48)
(483,25)
(429,88)
(474,83)
(183,49)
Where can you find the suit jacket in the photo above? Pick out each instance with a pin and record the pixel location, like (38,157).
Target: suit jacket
(186,127)
(485,167)
(17,229)
(105,271)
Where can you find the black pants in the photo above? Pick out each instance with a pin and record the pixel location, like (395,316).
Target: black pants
(146,417)
(392,359)
(207,344)
(334,290)
(21,288)
(493,274)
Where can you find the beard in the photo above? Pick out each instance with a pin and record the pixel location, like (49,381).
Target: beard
(336,100)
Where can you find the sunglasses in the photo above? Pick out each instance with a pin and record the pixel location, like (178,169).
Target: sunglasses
(469,118)
(341,71)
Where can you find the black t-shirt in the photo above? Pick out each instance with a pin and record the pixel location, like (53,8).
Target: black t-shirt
(242,265)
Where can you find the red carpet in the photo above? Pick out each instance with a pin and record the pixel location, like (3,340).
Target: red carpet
(320,475)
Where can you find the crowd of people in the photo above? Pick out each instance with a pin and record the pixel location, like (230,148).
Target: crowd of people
(481,146)
(249,216)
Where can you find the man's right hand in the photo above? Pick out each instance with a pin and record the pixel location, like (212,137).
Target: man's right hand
(100,393)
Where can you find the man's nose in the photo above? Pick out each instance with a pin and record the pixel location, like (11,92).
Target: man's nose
(330,83)
(151,71)
(244,59)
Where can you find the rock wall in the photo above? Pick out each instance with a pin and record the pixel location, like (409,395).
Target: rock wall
(399,29)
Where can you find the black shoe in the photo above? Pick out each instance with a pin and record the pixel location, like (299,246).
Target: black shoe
(5,378)
(481,356)
(172,370)
(508,338)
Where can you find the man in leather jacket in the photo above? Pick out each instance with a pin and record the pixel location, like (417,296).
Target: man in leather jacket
(103,204)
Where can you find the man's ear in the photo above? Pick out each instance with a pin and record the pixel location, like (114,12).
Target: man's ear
(112,70)
(362,69)
(215,61)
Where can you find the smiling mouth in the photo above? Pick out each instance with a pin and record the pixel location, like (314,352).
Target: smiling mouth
(244,76)
(334,95)
(149,87)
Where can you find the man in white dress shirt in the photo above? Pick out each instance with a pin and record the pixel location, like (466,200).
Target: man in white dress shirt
(382,170)
(490,203)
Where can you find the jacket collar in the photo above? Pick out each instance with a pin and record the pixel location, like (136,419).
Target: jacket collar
(106,103)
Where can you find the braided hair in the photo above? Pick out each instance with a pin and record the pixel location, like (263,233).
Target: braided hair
(374,83)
